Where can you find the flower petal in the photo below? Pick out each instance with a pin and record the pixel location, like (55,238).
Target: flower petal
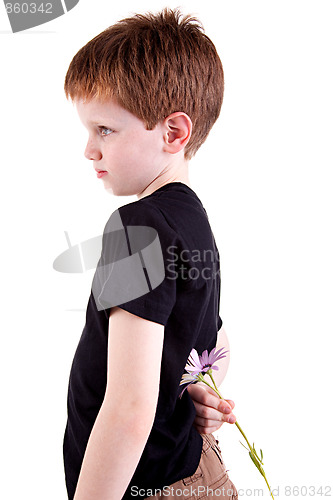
(204,358)
(194,359)
(182,392)
(218,355)
(188,378)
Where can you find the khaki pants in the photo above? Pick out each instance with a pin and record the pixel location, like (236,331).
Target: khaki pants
(210,480)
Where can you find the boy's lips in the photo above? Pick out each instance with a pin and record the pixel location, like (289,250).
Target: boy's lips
(100,173)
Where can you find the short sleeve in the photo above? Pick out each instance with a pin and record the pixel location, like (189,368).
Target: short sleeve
(133,271)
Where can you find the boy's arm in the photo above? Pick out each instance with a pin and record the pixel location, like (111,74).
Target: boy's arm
(126,416)
(211,411)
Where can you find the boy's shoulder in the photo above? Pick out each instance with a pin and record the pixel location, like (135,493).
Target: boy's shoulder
(174,211)
(171,202)
(143,212)
(139,222)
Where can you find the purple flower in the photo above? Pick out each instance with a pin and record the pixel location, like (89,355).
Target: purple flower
(201,364)
(197,365)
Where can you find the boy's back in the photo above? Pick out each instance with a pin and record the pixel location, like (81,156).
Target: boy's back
(187,304)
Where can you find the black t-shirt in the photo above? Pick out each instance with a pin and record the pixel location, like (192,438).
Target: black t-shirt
(185,299)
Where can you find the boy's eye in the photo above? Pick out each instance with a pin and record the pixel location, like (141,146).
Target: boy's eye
(105,131)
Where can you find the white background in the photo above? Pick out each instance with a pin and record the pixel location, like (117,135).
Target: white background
(265,178)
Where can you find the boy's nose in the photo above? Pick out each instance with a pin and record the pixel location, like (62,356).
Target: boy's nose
(91,152)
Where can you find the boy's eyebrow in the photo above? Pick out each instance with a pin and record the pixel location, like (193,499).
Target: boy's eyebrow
(98,122)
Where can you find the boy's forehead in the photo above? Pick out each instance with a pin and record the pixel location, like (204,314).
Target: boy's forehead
(93,104)
(94,110)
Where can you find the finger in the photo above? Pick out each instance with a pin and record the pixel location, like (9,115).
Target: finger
(206,397)
(206,430)
(228,415)
(206,413)
(214,418)
(231,403)
(209,406)
(225,406)
(203,422)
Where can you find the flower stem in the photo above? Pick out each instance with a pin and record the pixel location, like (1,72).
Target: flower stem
(251,450)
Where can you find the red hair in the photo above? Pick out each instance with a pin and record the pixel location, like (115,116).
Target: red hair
(153,65)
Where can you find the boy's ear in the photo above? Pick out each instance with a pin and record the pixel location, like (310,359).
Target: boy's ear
(178,129)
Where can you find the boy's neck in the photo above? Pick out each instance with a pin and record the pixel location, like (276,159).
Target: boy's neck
(178,174)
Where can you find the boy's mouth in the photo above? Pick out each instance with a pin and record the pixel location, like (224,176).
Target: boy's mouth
(100,173)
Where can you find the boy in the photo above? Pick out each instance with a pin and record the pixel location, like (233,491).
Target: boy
(148,89)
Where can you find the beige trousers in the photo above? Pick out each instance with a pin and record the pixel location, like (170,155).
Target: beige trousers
(210,480)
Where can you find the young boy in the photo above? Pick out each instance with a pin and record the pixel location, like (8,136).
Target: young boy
(148,89)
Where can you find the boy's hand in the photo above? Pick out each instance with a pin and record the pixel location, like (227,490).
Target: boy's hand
(211,410)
